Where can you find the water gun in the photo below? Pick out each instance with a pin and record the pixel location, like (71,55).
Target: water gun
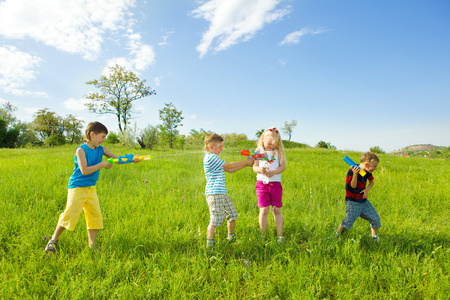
(254,154)
(353,164)
(128,158)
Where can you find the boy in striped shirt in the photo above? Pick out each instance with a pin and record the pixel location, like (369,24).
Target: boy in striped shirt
(219,203)
(356,195)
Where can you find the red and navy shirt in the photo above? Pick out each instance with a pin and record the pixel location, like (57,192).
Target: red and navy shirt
(354,194)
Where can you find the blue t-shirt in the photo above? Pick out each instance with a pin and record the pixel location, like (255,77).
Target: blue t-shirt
(215,174)
(93,157)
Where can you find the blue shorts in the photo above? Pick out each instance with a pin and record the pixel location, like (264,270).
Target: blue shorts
(364,210)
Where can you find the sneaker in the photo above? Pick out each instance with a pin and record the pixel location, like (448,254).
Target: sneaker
(280,239)
(231,237)
(376,238)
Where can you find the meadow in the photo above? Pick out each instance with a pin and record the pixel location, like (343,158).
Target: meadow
(155,217)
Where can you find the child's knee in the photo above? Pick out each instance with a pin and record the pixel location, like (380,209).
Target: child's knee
(264,210)
(277,211)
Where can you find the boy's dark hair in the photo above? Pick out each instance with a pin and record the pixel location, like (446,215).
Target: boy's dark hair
(212,138)
(369,157)
(95,127)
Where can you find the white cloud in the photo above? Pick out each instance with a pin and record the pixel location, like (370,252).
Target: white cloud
(282,62)
(140,58)
(17,69)
(234,21)
(157,80)
(193,116)
(74,26)
(294,37)
(165,39)
(74,104)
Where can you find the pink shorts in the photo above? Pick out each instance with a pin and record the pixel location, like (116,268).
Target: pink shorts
(269,194)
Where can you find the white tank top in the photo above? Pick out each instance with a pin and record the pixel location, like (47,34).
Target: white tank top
(272,165)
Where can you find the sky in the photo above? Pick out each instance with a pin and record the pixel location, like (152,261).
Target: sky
(355,73)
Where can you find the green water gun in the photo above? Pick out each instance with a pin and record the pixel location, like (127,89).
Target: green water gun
(128,158)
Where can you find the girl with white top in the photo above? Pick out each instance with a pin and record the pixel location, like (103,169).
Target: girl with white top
(268,180)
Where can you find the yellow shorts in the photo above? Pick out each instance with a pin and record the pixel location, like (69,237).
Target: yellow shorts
(82,198)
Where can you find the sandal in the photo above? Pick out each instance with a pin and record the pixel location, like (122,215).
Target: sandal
(50,246)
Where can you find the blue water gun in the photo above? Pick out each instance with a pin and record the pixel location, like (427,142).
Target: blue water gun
(353,164)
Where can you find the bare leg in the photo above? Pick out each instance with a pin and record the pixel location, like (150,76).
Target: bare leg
(210,232)
(263,216)
(374,231)
(340,228)
(278,217)
(231,225)
(59,229)
(92,235)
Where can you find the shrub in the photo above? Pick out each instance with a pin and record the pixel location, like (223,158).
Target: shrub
(376,149)
(112,138)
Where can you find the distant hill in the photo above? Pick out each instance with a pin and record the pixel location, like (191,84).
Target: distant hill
(415,148)
(425,150)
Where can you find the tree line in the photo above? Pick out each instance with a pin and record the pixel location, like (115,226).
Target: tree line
(116,95)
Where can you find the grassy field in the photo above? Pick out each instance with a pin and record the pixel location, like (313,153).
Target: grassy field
(155,217)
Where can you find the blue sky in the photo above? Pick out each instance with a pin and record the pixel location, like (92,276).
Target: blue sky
(354,73)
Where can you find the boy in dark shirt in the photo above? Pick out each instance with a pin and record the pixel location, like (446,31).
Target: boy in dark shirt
(356,195)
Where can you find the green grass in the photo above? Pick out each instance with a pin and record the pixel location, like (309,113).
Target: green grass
(153,244)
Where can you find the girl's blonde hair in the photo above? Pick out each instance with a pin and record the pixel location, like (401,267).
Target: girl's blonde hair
(277,142)
(212,138)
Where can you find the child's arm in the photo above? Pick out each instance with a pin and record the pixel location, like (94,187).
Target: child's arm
(365,192)
(354,181)
(257,168)
(82,163)
(276,171)
(237,165)
(109,154)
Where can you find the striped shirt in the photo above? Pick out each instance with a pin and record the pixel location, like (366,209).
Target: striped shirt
(354,194)
(215,174)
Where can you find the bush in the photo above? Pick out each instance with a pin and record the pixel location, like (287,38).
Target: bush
(325,145)
(128,138)
(55,140)
(148,137)
(376,149)
(112,138)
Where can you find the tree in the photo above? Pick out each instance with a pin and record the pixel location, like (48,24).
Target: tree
(376,149)
(73,128)
(325,145)
(259,133)
(171,118)
(47,123)
(9,131)
(148,137)
(288,128)
(8,137)
(118,92)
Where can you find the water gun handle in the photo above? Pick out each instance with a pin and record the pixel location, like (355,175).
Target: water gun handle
(353,164)
(254,154)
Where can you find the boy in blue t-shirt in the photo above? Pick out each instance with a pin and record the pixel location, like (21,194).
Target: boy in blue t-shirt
(82,194)
(219,203)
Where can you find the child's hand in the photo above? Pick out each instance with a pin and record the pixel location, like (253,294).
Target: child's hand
(250,161)
(264,169)
(270,173)
(356,170)
(365,192)
(107,165)
(136,159)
